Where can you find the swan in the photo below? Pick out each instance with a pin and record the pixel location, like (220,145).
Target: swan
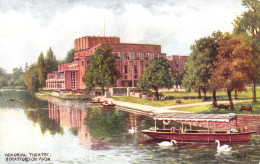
(223,147)
(132,131)
(167,143)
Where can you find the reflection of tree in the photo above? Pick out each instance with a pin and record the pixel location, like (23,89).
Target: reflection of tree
(41,117)
(109,125)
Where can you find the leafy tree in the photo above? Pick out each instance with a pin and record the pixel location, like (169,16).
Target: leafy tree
(3,77)
(16,78)
(31,78)
(249,24)
(177,80)
(51,63)
(69,57)
(200,65)
(41,70)
(157,75)
(102,69)
(234,64)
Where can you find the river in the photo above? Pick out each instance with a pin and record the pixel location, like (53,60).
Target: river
(50,130)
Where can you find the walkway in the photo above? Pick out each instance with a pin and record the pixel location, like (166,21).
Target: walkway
(152,110)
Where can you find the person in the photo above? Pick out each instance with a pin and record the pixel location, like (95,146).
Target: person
(112,102)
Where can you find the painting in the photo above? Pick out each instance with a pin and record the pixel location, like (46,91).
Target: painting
(129,81)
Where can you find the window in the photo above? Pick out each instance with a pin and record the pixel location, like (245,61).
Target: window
(125,76)
(73,80)
(150,56)
(136,76)
(82,62)
(142,56)
(135,68)
(123,56)
(132,57)
(125,68)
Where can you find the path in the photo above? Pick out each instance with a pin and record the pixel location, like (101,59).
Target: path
(157,110)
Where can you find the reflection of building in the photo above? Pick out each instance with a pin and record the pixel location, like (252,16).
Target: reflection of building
(177,62)
(72,117)
(132,59)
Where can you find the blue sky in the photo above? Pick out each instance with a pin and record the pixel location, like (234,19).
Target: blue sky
(31,26)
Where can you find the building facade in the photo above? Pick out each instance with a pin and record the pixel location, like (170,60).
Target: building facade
(132,59)
(177,62)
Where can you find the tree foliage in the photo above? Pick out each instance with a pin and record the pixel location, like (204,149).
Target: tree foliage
(31,78)
(51,63)
(234,64)
(157,75)
(200,64)
(41,70)
(102,69)
(249,24)
(3,78)
(69,57)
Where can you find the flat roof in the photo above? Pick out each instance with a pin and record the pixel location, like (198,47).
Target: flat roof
(190,117)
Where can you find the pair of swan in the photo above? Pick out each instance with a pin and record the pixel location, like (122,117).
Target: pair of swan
(223,147)
(167,143)
(219,148)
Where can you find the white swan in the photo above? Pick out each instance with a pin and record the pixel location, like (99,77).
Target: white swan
(167,143)
(132,131)
(223,147)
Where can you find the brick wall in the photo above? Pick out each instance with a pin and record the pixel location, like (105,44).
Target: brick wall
(252,122)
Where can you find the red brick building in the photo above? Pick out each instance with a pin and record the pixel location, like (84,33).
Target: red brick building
(177,62)
(132,59)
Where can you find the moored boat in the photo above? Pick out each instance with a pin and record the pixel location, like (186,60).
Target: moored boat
(208,135)
(108,105)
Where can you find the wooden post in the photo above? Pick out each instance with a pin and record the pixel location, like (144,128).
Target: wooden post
(182,127)
(190,125)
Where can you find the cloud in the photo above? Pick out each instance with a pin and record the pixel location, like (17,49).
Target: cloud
(31,27)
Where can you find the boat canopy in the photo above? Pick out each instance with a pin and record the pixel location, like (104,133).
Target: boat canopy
(190,117)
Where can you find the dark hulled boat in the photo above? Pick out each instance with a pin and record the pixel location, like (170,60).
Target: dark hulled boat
(197,135)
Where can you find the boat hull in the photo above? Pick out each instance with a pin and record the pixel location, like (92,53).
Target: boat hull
(200,137)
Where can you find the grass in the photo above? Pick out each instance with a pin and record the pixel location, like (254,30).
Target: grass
(210,110)
(154,102)
(221,95)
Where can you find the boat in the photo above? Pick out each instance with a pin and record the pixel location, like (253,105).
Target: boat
(190,135)
(108,105)
(94,101)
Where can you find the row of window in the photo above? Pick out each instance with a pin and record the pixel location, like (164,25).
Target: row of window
(134,56)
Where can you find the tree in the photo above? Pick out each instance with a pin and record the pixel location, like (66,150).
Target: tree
(51,63)
(249,24)
(16,78)
(233,64)
(3,78)
(31,78)
(157,75)
(41,70)
(200,65)
(102,69)
(69,57)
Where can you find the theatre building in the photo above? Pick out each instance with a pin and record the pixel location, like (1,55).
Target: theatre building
(132,59)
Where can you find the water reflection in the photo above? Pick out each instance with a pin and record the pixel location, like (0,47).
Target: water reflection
(80,132)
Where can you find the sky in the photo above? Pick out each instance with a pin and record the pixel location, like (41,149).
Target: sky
(29,27)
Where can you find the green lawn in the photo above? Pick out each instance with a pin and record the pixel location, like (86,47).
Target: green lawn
(221,95)
(154,102)
(210,110)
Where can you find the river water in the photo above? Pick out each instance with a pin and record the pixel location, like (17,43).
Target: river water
(50,130)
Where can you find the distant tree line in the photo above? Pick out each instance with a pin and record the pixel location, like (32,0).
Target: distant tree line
(227,61)
(10,80)
(36,74)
